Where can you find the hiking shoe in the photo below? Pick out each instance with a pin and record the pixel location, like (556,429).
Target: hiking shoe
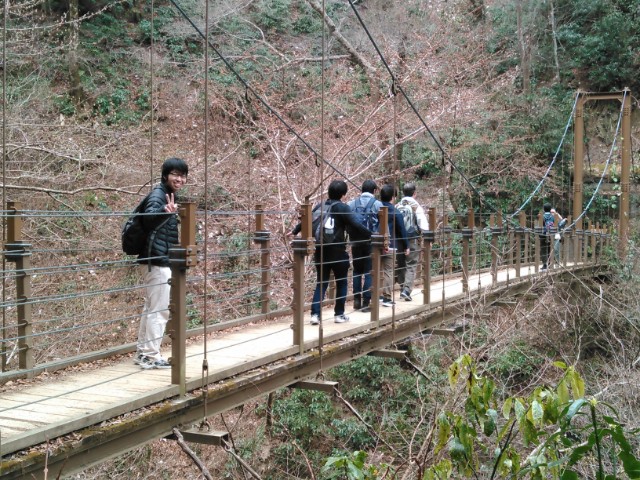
(406,295)
(315,319)
(341,318)
(366,305)
(148,363)
(357,303)
(137,359)
(387,302)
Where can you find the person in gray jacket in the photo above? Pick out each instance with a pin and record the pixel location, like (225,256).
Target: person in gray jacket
(161,225)
(408,264)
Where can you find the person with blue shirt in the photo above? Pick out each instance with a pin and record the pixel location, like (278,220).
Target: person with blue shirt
(361,246)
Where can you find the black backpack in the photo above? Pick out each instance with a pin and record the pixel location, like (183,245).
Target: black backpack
(324,232)
(134,236)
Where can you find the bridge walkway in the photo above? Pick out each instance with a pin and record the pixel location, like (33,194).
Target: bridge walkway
(58,404)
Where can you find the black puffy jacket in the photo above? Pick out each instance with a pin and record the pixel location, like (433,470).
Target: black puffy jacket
(162,228)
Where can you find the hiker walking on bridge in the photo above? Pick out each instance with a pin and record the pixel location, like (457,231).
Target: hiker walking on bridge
(332,256)
(397,242)
(415,222)
(365,208)
(550,218)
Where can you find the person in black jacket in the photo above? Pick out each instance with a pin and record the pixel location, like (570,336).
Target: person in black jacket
(334,257)
(161,225)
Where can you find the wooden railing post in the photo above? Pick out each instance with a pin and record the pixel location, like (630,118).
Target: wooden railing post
(18,251)
(263,239)
(181,258)
(379,245)
(447,250)
(301,248)
(467,235)
(566,244)
(538,230)
(594,235)
(585,241)
(519,233)
(577,245)
(526,247)
(495,232)
(429,237)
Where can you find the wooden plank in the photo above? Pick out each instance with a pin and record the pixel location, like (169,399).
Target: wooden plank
(39,417)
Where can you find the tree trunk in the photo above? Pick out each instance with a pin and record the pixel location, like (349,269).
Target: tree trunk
(523,51)
(356,58)
(554,36)
(75,89)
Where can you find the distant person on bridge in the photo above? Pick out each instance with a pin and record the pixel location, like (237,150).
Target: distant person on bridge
(365,206)
(334,256)
(397,241)
(415,222)
(154,263)
(550,218)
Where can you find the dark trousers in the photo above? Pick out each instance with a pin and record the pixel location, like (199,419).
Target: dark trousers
(545,250)
(362,271)
(338,263)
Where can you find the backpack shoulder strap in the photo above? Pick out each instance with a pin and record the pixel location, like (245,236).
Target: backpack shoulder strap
(370,204)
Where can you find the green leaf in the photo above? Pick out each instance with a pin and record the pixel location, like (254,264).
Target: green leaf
(537,412)
(619,437)
(506,407)
(453,373)
(563,392)
(578,453)
(574,408)
(569,475)
(577,385)
(519,409)
(354,473)
(630,464)
(489,426)
(560,364)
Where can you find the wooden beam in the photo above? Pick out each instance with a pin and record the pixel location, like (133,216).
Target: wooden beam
(385,353)
(212,437)
(318,385)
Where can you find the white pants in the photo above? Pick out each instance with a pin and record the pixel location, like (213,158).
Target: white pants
(155,314)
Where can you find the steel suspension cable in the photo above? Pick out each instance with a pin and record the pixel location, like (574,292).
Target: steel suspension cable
(553,161)
(396,181)
(320,268)
(151,93)
(410,102)
(249,88)
(4,179)
(606,167)
(205,309)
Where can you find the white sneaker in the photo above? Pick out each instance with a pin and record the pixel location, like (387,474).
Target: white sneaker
(341,318)
(315,319)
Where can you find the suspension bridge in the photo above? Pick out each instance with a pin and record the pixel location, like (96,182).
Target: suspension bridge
(69,413)
(70,395)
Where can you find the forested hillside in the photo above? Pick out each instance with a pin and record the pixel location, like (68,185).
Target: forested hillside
(468,98)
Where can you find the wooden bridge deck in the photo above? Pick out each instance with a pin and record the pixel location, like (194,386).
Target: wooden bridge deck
(48,408)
